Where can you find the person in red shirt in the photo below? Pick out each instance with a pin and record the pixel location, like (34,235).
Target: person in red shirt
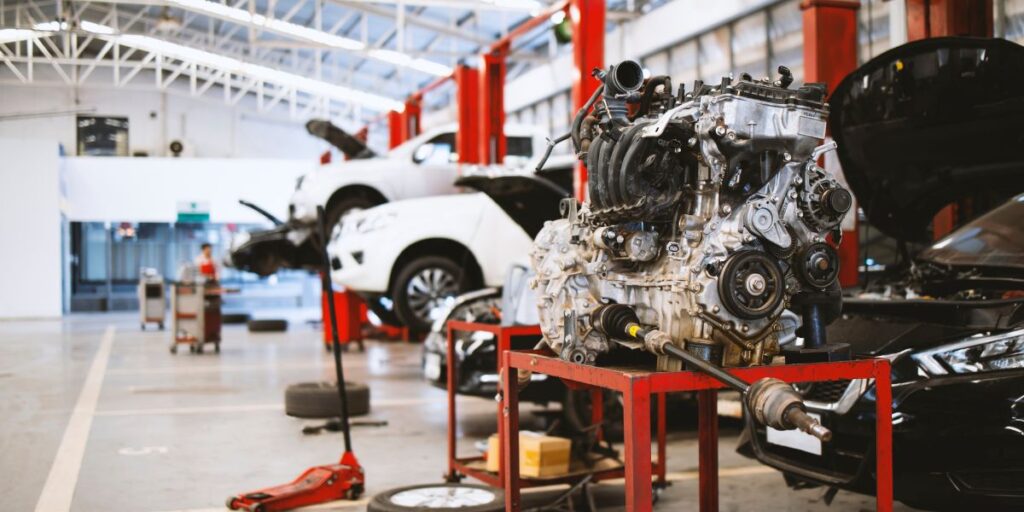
(205,264)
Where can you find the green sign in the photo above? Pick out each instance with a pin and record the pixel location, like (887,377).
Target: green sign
(193,211)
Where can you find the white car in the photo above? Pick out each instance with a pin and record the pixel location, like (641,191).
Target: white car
(410,258)
(424,166)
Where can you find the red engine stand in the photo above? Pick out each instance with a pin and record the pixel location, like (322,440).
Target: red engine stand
(460,467)
(319,484)
(637,386)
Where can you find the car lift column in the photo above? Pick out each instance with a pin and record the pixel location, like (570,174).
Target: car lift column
(830,53)
(492,104)
(588,20)
(940,18)
(394,129)
(467,139)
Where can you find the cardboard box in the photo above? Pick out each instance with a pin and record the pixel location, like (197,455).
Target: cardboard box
(539,455)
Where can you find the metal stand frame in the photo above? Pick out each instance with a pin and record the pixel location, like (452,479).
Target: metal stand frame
(637,386)
(460,467)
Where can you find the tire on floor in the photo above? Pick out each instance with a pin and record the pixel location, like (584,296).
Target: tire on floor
(268,325)
(319,400)
(464,498)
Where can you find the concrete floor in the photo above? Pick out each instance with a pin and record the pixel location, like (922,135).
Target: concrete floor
(105,419)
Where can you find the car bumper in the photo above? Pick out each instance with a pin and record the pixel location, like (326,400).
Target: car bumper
(477,375)
(956,439)
(362,262)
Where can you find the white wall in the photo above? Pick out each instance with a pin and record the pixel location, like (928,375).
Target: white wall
(207,126)
(104,189)
(30,227)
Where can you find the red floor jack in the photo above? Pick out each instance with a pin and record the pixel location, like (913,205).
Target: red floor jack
(319,484)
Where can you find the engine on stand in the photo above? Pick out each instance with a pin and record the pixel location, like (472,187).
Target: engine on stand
(707,217)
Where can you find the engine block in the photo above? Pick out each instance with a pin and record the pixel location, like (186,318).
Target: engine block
(707,214)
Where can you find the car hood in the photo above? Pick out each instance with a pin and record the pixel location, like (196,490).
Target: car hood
(927,123)
(528,200)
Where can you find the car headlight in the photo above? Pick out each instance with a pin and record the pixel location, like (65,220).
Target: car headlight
(367,223)
(975,354)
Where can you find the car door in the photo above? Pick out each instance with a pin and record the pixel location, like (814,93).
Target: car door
(434,168)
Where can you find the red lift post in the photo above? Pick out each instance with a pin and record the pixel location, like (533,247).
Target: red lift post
(940,18)
(588,26)
(492,103)
(830,53)
(467,141)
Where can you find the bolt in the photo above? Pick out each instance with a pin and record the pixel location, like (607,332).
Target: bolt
(720,130)
(715,308)
(726,209)
(692,141)
(786,157)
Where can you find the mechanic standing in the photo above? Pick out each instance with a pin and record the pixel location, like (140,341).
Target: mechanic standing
(205,264)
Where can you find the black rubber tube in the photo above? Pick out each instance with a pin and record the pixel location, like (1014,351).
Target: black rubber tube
(580,114)
(703,366)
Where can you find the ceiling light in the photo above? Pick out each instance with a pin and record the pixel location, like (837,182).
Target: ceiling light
(10,35)
(309,34)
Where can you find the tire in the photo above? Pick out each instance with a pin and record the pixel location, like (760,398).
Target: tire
(319,400)
(234,318)
(348,204)
(385,501)
(268,325)
(411,310)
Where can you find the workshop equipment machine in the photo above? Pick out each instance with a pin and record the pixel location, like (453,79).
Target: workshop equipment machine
(319,484)
(152,300)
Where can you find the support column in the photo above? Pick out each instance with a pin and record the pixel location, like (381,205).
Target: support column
(492,105)
(830,53)
(588,27)
(411,118)
(394,129)
(940,18)
(467,139)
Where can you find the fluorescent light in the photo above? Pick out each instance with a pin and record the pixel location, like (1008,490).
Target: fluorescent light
(401,59)
(10,35)
(308,34)
(206,58)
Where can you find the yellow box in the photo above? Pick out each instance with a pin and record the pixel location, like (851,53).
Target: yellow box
(539,455)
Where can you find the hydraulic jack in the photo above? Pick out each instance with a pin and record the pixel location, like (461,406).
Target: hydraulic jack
(318,484)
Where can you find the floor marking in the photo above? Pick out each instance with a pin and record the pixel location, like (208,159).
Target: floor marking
(60,484)
(213,409)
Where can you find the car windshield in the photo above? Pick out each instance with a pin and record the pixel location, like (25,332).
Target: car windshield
(995,239)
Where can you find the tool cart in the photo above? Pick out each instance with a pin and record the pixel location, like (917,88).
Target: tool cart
(196,315)
(152,303)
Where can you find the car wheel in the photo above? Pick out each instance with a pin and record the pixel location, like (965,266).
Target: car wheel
(343,207)
(422,289)
(318,400)
(440,498)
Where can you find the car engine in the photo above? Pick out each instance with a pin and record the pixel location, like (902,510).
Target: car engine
(707,217)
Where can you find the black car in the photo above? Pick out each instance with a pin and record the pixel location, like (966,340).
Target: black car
(919,127)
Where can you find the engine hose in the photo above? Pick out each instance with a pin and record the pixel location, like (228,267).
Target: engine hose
(577,121)
(648,95)
(547,151)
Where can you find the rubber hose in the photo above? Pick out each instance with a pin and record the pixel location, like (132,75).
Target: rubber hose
(577,121)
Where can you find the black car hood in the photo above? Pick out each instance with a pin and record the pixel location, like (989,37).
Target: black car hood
(351,146)
(927,123)
(529,200)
